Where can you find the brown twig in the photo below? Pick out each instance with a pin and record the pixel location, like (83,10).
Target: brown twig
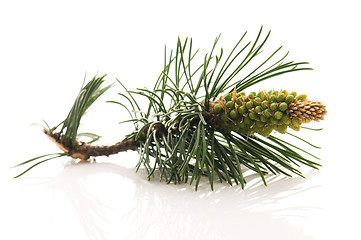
(84,151)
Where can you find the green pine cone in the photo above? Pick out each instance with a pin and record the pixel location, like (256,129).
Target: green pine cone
(264,112)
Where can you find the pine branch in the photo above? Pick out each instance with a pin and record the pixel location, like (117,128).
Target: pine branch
(199,122)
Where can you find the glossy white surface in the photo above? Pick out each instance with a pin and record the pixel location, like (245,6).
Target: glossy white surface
(45,50)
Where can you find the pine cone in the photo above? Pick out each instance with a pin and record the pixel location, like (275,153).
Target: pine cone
(264,112)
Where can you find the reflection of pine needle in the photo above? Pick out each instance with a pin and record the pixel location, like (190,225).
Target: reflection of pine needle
(199,122)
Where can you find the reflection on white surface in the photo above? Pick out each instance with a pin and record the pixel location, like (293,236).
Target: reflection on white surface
(109,201)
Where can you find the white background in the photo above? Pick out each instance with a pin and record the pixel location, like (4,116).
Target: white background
(46,47)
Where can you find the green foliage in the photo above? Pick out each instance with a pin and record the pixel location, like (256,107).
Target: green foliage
(41,159)
(86,97)
(189,145)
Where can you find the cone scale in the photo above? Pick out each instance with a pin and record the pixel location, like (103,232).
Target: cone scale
(264,112)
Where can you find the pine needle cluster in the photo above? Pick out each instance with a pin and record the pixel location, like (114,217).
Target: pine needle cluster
(199,122)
